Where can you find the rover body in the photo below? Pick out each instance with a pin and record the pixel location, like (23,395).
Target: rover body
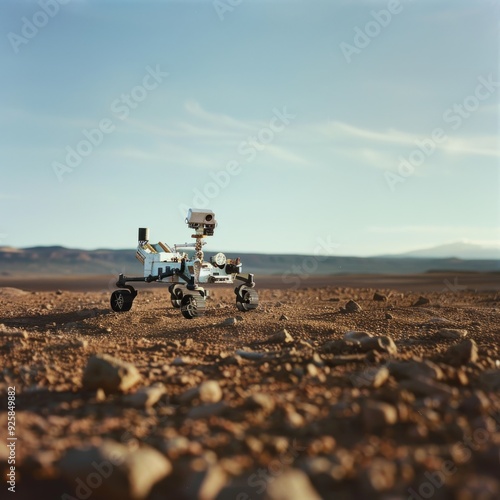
(186,274)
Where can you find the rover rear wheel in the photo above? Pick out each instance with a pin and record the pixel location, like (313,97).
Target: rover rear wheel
(247,299)
(121,300)
(192,306)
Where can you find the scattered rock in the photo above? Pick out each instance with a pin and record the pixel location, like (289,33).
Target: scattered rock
(304,344)
(292,484)
(461,354)
(145,397)
(424,387)
(354,335)
(476,486)
(421,301)
(208,410)
(205,484)
(491,379)
(210,392)
(175,446)
(180,361)
(379,297)
(11,292)
(123,474)
(381,344)
(476,404)
(281,337)
(352,307)
(412,369)
(293,419)
(283,317)
(14,332)
(260,401)
(340,346)
(331,470)
(44,462)
(377,415)
(371,377)
(189,395)
(251,355)
(439,321)
(379,476)
(453,334)
(110,374)
(230,322)
(389,316)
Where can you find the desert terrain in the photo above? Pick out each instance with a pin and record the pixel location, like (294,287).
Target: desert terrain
(340,387)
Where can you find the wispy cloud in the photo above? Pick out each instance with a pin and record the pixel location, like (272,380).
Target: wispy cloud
(372,144)
(215,119)
(428,229)
(339,130)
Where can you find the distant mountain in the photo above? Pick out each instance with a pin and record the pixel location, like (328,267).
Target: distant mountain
(56,260)
(458,250)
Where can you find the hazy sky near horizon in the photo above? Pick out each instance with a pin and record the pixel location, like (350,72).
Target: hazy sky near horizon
(338,127)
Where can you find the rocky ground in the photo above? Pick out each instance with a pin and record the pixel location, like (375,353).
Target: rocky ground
(319,393)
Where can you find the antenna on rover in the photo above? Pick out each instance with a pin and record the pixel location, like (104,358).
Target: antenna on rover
(143,235)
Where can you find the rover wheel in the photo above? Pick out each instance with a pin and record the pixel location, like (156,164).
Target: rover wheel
(247,299)
(121,300)
(192,306)
(176,295)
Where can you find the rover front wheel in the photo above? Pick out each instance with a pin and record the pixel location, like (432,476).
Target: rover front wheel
(121,300)
(176,295)
(192,306)
(247,299)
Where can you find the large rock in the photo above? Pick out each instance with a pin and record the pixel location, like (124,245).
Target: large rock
(293,484)
(424,387)
(113,472)
(461,354)
(414,369)
(452,333)
(381,344)
(352,307)
(110,374)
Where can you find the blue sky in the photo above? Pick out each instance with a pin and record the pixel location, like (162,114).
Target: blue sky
(346,127)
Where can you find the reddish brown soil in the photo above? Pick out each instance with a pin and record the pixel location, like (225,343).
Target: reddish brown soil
(319,414)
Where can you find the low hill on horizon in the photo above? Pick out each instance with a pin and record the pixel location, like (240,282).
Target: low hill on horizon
(459,250)
(58,260)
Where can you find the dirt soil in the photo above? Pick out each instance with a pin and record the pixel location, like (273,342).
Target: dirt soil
(323,391)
